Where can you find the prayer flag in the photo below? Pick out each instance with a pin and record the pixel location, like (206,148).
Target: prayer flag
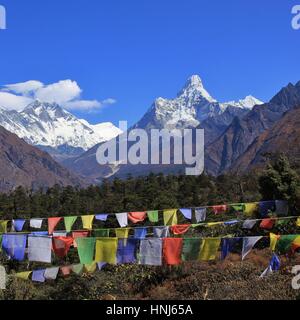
(90,268)
(273,241)
(250,208)
(66,270)
(284,244)
(191,249)
(87,222)
(209,249)
(219,209)
(86,249)
(248,244)
(69,222)
(126,252)
(122,233)
(151,252)
(265,207)
(101,217)
(282,208)
(267,224)
(180,229)
(140,233)
(51,273)
(23,275)
(52,223)
(227,245)
(172,249)
(39,249)
(106,250)
(152,216)
(77,268)
(36,223)
(122,219)
(161,232)
(239,207)
(18,224)
(62,245)
(38,276)
(200,214)
(298,222)
(170,217)
(14,246)
(3,226)
(187,213)
(136,217)
(249,224)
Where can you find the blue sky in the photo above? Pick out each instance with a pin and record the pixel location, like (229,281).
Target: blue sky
(134,51)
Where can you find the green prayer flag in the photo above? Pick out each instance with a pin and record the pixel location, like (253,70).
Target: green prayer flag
(153,216)
(285,242)
(86,249)
(69,221)
(101,233)
(191,249)
(238,207)
(77,268)
(0,242)
(282,222)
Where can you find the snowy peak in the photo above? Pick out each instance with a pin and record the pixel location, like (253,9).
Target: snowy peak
(194,89)
(248,103)
(49,125)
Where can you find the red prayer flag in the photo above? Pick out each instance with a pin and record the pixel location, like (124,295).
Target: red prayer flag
(219,209)
(61,245)
(136,217)
(267,224)
(66,270)
(180,229)
(172,248)
(52,223)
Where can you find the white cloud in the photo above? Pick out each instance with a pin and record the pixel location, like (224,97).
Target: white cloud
(60,92)
(65,92)
(24,88)
(13,102)
(83,104)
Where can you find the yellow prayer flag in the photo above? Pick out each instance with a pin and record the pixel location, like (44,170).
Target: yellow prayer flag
(3,226)
(298,222)
(23,275)
(209,249)
(87,222)
(273,241)
(90,268)
(122,233)
(106,250)
(212,224)
(250,208)
(170,217)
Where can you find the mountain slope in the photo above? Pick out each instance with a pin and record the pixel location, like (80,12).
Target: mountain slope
(51,128)
(25,165)
(283,137)
(193,107)
(225,150)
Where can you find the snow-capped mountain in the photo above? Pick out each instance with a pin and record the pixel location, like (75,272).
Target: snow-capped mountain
(248,103)
(49,126)
(190,108)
